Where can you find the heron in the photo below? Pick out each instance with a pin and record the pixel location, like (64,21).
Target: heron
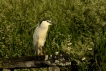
(39,36)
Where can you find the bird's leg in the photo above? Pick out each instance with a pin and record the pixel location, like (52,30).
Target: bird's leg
(40,49)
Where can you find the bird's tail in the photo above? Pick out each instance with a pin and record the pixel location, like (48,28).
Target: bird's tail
(36,49)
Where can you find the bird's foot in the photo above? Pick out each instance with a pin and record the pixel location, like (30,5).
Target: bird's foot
(42,54)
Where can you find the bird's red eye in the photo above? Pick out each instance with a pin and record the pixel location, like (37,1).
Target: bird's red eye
(47,20)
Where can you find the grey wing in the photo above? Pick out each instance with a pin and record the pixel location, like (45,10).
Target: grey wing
(35,36)
(35,41)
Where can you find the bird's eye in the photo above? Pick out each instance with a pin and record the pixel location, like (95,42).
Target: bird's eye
(48,20)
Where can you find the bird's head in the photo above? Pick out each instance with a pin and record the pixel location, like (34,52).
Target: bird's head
(46,22)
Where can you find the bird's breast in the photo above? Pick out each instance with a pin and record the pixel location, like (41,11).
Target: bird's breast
(42,36)
(42,39)
(42,32)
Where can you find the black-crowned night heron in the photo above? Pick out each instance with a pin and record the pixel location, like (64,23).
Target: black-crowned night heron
(39,36)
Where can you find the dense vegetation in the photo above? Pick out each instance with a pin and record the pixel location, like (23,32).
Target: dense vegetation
(80,30)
